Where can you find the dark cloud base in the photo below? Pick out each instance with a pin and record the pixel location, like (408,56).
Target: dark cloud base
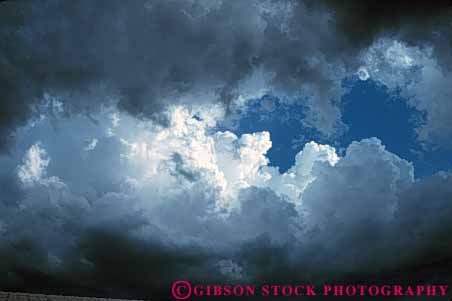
(121,267)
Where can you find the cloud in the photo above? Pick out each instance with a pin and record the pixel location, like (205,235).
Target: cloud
(207,202)
(354,203)
(145,55)
(34,165)
(417,75)
(413,21)
(118,180)
(91,144)
(148,55)
(405,46)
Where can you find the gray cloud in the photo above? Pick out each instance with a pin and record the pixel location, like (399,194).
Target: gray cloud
(92,222)
(424,33)
(413,21)
(148,54)
(95,225)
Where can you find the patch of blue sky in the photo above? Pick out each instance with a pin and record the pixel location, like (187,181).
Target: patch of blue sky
(368,110)
(284,122)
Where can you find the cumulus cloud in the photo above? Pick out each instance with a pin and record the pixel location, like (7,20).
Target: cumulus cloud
(34,165)
(421,80)
(120,179)
(355,202)
(206,201)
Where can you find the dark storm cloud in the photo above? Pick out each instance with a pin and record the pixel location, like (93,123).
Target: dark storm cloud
(79,229)
(151,53)
(363,21)
(104,263)
(422,26)
(417,23)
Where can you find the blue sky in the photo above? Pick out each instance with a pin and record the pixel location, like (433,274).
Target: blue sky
(368,110)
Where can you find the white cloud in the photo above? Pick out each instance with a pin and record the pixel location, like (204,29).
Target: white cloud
(189,185)
(34,165)
(224,162)
(421,80)
(362,185)
(90,144)
(363,74)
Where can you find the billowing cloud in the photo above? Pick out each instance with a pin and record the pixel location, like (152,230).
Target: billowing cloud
(34,165)
(126,173)
(147,55)
(206,201)
(418,76)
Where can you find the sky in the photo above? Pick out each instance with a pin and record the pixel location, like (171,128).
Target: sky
(256,141)
(369,110)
